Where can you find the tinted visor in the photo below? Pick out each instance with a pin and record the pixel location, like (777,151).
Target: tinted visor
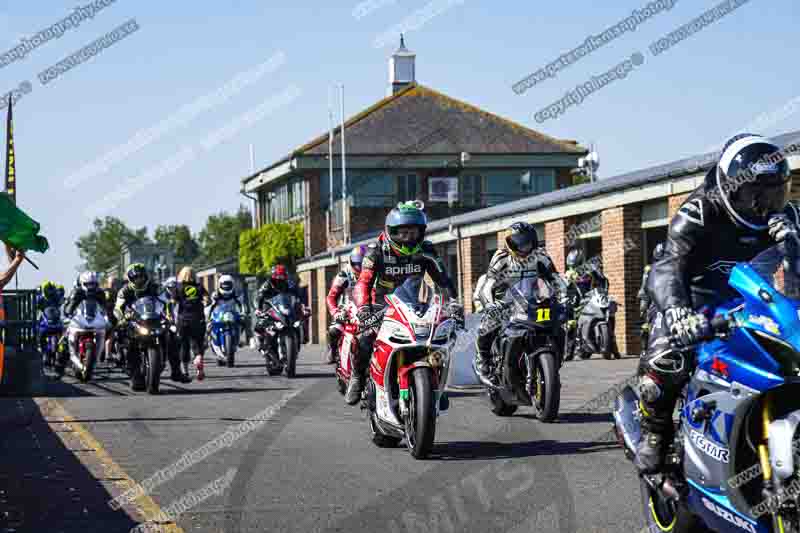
(758,200)
(405,235)
(521,243)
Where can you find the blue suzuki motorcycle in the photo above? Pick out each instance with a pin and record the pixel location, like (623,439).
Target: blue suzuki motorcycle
(733,465)
(51,327)
(225,329)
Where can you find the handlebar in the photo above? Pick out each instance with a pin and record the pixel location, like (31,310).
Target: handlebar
(718,326)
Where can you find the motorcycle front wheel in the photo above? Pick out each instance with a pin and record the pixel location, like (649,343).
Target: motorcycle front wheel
(88,363)
(663,514)
(153,371)
(290,352)
(546,395)
(421,419)
(230,351)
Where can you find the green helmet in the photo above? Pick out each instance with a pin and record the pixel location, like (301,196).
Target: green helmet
(405,227)
(137,275)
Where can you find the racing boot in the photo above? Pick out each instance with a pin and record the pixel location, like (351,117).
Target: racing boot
(657,430)
(483,360)
(357,379)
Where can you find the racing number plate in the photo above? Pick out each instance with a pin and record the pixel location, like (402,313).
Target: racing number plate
(543,314)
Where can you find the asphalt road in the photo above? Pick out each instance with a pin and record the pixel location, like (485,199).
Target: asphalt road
(308,464)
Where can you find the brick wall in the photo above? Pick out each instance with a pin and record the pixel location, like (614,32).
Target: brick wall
(674,202)
(555,237)
(473,264)
(622,264)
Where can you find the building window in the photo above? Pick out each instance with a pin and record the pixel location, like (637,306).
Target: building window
(407,187)
(509,185)
(471,192)
(540,233)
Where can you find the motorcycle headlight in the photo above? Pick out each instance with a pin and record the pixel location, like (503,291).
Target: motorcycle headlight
(173,329)
(297,324)
(278,325)
(443,332)
(143,330)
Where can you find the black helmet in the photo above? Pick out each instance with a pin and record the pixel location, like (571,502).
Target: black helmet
(574,258)
(753,180)
(658,252)
(523,239)
(405,227)
(137,275)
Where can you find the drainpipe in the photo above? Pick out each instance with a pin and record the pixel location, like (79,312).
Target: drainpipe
(243,193)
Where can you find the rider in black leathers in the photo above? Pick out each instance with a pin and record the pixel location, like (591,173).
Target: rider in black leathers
(737,213)
(521,257)
(139,285)
(400,252)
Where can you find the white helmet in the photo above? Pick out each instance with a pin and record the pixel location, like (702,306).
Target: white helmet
(88,281)
(225,285)
(171,285)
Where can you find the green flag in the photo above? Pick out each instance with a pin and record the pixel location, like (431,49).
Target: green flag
(18,229)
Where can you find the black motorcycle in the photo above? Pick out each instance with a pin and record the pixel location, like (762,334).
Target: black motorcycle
(527,353)
(147,331)
(279,332)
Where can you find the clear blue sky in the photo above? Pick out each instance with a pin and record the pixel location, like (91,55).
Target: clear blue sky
(695,94)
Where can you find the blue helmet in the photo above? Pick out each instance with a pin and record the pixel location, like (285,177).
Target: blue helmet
(405,227)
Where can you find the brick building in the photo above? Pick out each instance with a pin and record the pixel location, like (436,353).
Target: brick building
(393,150)
(619,220)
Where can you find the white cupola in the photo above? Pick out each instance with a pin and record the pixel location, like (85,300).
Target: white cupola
(401,69)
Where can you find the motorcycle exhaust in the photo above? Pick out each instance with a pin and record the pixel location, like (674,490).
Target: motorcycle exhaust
(482,379)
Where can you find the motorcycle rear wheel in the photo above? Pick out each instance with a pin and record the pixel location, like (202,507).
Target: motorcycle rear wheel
(421,419)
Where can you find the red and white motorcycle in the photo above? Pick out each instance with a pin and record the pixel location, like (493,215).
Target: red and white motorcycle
(410,362)
(348,347)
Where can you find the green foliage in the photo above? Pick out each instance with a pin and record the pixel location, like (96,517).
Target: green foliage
(180,239)
(260,249)
(580,179)
(219,239)
(101,248)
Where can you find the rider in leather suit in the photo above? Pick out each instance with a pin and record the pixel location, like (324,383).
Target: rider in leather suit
(737,213)
(521,256)
(400,252)
(342,286)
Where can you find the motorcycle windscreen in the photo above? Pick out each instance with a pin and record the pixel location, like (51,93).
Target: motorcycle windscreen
(284,304)
(770,285)
(524,295)
(148,308)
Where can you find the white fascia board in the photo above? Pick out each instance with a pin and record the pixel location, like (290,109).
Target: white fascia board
(270,175)
(633,195)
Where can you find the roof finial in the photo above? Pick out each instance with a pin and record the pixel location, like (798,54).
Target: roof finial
(402,42)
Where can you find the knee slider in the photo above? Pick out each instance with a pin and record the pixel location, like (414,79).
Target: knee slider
(649,390)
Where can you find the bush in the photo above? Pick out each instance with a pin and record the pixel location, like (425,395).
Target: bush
(261,248)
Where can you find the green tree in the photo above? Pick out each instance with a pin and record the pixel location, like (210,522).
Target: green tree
(102,247)
(180,239)
(260,249)
(219,239)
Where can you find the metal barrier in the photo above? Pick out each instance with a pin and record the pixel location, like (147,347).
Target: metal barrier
(20,364)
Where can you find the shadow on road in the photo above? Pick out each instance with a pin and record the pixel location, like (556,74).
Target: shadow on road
(482,450)
(43,486)
(576,418)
